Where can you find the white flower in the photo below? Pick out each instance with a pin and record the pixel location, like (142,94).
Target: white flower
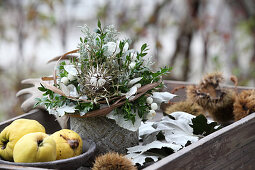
(132,65)
(135,80)
(71,77)
(151,114)
(101,82)
(64,80)
(71,69)
(160,97)
(149,100)
(110,48)
(154,106)
(138,85)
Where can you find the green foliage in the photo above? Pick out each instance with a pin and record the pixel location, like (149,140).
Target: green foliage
(103,57)
(62,71)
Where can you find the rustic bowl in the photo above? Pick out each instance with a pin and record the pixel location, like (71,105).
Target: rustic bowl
(70,163)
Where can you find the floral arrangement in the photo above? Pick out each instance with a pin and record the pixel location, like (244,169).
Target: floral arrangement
(106,78)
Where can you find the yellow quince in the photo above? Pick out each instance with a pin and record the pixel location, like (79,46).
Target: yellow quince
(12,133)
(35,147)
(68,143)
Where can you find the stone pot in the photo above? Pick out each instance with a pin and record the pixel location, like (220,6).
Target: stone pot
(107,135)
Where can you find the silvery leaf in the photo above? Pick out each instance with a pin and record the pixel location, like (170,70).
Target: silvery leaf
(65,109)
(146,128)
(131,92)
(140,158)
(177,131)
(133,81)
(150,137)
(110,48)
(60,111)
(160,97)
(72,90)
(64,89)
(126,124)
(71,69)
(155,144)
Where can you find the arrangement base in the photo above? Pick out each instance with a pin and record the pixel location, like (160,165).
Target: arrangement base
(107,135)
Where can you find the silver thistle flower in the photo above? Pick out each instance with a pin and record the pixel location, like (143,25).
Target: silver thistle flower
(97,81)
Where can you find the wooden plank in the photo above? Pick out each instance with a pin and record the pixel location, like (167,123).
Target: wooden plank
(170,85)
(232,147)
(47,120)
(6,167)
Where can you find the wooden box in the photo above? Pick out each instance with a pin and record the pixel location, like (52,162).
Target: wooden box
(232,147)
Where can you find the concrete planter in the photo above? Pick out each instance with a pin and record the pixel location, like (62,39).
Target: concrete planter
(107,135)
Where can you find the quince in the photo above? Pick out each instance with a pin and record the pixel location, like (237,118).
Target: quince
(12,133)
(68,142)
(35,147)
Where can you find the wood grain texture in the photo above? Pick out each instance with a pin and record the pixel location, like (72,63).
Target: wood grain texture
(232,147)
(42,116)
(6,167)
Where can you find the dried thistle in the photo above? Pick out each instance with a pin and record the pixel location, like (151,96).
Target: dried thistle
(214,99)
(96,82)
(185,106)
(113,161)
(244,104)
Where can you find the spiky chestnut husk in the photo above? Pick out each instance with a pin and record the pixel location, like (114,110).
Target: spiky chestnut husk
(113,161)
(217,101)
(244,104)
(211,80)
(184,106)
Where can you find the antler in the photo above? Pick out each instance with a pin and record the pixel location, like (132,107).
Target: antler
(29,103)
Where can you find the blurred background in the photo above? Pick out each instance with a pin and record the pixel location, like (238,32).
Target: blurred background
(192,36)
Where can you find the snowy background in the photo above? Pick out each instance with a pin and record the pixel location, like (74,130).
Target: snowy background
(192,36)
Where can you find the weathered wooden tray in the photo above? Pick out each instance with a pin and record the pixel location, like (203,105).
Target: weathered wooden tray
(232,147)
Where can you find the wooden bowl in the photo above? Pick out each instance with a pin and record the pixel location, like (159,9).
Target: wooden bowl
(70,163)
